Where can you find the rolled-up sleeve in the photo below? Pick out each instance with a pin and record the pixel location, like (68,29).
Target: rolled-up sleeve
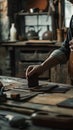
(60,56)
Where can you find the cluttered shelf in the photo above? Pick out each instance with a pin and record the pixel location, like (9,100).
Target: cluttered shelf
(31,42)
(31,14)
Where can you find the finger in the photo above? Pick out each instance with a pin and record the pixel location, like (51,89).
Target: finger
(28,71)
(71,42)
(71,47)
(32,71)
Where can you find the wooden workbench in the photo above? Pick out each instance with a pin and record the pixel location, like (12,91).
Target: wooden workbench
(46,102)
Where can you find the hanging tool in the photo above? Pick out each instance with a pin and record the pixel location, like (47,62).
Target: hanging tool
(51,7)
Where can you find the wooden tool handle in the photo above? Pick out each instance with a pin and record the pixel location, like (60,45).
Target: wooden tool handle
(17,109)
(52,120)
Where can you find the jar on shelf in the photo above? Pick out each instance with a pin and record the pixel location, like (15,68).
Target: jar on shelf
(47,35)
(60,35)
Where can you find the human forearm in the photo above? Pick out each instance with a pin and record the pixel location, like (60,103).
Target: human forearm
(57,57)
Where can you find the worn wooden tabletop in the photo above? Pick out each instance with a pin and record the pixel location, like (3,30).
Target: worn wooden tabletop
(58,101)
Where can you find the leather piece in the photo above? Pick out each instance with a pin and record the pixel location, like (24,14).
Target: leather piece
(68,103)
(60,89)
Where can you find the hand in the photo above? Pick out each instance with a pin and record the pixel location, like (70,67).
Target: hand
(37,69)
(71,45)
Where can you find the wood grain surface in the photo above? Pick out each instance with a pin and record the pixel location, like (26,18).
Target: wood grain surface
(50,99)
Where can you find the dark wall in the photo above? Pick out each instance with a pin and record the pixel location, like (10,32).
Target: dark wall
(14,6)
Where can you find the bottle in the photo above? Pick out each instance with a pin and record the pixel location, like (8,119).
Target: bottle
(13,32)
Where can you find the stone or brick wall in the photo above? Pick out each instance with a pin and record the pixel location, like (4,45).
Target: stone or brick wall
(4,21)
(4,34)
